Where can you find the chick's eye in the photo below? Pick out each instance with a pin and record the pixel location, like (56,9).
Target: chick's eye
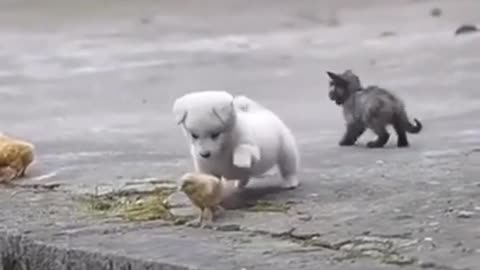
(215,135)
(194,136)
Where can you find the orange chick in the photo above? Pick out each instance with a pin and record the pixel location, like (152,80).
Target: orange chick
(15,156)
(206,192)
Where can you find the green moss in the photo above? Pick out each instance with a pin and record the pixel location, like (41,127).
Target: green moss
(131,205)
(148,208)
(268,206)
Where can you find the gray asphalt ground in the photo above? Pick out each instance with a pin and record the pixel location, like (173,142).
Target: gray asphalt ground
(91,84)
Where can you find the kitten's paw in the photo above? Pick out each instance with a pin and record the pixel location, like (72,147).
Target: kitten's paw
(346,143)
(290,183)
(403,144)
(374,144)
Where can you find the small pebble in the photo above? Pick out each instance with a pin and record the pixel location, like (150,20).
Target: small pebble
(380,162)
(464,214)
(305,217)
(145,20)
(387,34)
(228,228)
(465,29)
(436,12)
(427,265)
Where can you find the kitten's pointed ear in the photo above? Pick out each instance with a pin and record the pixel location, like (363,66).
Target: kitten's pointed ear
(335,77)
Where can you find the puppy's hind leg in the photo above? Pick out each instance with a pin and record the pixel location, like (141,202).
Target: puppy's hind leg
(288,161)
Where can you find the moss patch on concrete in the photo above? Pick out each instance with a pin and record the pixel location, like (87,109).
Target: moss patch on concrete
(269,206)
(131,205)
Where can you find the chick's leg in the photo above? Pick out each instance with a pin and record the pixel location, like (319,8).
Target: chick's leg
(207,220)
(198,221)
(18,166)
(25,161)
(7,174)
(218,210)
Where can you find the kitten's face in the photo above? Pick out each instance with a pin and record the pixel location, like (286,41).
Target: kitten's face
(339,89)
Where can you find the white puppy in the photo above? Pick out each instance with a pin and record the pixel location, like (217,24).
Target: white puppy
(235,137)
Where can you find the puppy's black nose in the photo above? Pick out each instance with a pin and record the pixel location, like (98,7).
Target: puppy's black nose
(205,154)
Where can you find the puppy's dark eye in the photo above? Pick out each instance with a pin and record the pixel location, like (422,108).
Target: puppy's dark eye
(194,136)
(215,135)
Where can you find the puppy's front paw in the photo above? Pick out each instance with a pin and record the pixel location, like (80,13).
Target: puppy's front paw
(290,183)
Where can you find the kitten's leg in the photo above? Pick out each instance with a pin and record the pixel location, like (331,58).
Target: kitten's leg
(353,132)
(288,161)
(382,136)
(402,140)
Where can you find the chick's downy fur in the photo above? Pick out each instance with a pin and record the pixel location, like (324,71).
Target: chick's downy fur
(15,156)
(206,192)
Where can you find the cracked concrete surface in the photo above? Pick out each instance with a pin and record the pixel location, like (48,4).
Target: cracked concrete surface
(91,84)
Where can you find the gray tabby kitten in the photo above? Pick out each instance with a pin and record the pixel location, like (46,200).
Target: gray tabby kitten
(371,107)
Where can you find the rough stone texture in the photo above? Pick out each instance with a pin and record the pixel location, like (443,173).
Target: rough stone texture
(91,84)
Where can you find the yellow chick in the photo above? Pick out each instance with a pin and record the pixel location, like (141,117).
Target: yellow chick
(15,157)
(206,192)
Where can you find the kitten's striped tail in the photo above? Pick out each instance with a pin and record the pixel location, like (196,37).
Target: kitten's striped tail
(415,128)
(408,126)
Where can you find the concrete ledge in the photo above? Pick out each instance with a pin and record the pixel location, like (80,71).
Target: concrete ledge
(17,252)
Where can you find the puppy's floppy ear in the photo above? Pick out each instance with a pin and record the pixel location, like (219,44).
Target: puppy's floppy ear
(224,113)
(180,111)
(336,78)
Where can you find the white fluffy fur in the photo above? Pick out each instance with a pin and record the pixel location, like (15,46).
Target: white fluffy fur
(244,139)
